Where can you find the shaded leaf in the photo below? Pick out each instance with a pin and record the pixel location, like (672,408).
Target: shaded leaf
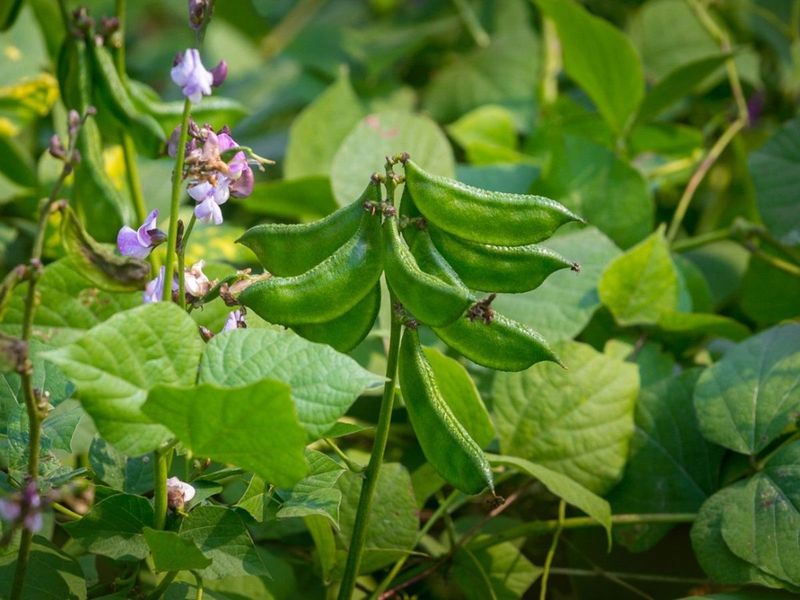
(52,574)
(501,572)
(171,552)
(315,494)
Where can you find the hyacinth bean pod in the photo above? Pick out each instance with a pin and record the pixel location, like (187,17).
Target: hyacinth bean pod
(325,291)
(431,300)
(288,250)
(495,268)
(444,441)
(482,216)
(347,331)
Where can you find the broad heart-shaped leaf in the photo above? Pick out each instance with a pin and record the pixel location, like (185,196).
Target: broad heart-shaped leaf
(52,574)
(607,191)
(69,304)
(171,552)
(385,134)
(392,523)
(761,525)
(561,307)
(129,474)
(562,486)
(221,535)
(117,362)
(776,177)
(752,394)
(254,426)
(315,494)
(671,467)
(500,572)
(692,323)
(461,395)
(487,134)
(600,59)
(642,284)
(713,554)
(577,421)
(114,527)
(324,383)
(317,131)
(503,73)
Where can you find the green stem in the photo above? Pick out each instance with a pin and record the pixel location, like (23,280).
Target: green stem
(177,184)
(551,50)
(351,465)
(373,469)
(632,576)
(289,27)
(199,584)
(472,23)
(66,511)
(697,241)
(120,11)
(773,261)
(182,262)
(161,467)
(534,528)
(551,553)
(162,586)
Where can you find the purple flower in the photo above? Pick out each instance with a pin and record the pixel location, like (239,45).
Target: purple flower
(23,508)
(154,290)
(219,74)
(189,73)
(209,196)
(235,320)
(139,243)
(239,170)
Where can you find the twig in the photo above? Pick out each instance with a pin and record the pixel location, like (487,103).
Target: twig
(551,553)
(472,23)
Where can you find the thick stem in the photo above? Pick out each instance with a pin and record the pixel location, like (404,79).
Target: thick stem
(177,182)
(373,469)
(161,467)
(162,586)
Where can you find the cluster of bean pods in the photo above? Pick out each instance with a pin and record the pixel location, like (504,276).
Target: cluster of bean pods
(446,240)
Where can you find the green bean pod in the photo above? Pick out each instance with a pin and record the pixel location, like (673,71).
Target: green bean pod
(145,130)
(428,298)
(288,250)
(446,444)
(489,338)
(409,213)
(482,216)
(346,332)
(327,290)
(495,268)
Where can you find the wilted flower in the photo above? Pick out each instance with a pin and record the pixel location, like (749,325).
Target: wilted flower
(235,320)
(178,493)
(195,281)
(23,509)
(154,290)
(189,73)
(139,243)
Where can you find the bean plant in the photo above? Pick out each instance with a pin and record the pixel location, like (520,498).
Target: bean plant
(567,366)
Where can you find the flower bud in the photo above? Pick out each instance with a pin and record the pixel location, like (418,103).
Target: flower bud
(219,73)
(178,493)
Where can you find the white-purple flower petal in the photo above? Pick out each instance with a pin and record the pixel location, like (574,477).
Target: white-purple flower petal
(192,77)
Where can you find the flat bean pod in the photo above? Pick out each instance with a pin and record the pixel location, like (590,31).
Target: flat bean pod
(428,298)
(327,290)
(483,216)
(495,268)
(444,441)
(288,250)
(346,332)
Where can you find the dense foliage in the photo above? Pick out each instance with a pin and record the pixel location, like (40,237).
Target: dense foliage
(453,299)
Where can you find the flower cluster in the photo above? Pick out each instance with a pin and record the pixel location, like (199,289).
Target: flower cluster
(23,509)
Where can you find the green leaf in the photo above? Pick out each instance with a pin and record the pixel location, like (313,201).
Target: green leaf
(320,128)
(254,497)
(761,524)
(304,199)
(385,134)
(114,527)
(324,383)
(669,454)
(132,475)
(69,304)
(171,552)
(745,594)
(776,172)
(511,178)
(562,486)
(758,298)
(321,532)
(504,73)
(221,535)
(642,284)
(501,572)
(600,59)
(678,84)
(702,324)
(713,554)
(562,306)
(117,362)
(16,165)
(52,574)
(392,523)
(254,427)
(315,494)
(745,400)
(577,421)
(488,135)
(461,395)
(605,190)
